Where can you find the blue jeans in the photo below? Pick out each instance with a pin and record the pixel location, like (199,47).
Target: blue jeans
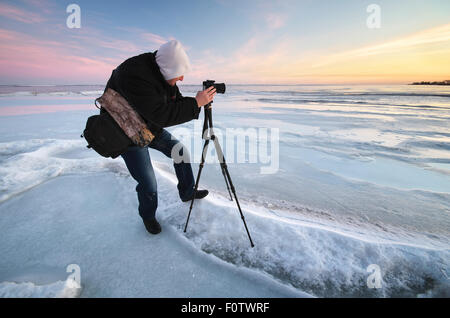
(137,160)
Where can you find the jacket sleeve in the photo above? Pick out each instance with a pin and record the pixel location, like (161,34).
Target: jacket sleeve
(154,107)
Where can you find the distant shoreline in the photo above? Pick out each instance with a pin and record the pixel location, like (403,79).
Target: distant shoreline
(446,82)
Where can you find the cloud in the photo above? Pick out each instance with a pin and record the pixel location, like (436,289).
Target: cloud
(23,57)
(148,37)
(45,6)
(253,62)
(86,55)
(153,38)
(96,40)
(21,15)
(419,40)
(275,21)
(264,58)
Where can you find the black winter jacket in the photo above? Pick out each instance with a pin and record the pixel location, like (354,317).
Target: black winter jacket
(140,82)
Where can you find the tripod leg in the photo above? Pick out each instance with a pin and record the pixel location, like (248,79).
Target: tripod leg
(226,181)
(202,163)
(238,205)
(208,121)
(225,169)
(221,160)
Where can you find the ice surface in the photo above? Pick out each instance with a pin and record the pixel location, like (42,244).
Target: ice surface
(91,220)
(363,179)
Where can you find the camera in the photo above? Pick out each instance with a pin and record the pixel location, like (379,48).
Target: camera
(220,87)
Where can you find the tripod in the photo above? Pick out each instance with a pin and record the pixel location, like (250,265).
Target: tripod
(208,122)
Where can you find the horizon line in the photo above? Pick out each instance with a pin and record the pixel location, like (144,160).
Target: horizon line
(232,84)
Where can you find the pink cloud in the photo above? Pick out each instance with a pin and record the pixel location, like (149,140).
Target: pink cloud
(148,38)
(84,56)
(94,39)
(21,15)
(23,57)
(43,5)
(76,58)
(153,38)
(247,64)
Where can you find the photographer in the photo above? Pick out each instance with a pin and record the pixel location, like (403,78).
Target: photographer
(148,83)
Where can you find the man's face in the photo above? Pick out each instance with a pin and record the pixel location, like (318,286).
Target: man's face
(173,81)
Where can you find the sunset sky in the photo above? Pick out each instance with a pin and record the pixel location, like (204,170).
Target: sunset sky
(279,42)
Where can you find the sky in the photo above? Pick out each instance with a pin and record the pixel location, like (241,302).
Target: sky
(237,42)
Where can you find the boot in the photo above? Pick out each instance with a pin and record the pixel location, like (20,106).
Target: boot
(200,194)
(152,226)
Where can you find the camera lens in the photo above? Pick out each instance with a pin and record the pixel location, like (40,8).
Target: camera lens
(220,88)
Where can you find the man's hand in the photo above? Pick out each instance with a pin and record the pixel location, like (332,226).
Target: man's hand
(206,96)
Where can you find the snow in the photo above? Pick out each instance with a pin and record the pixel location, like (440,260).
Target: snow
(58,289)
(91,221)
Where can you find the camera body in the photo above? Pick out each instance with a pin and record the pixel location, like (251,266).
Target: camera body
(220,87)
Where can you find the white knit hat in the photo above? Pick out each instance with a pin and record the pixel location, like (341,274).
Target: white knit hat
(172,60)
